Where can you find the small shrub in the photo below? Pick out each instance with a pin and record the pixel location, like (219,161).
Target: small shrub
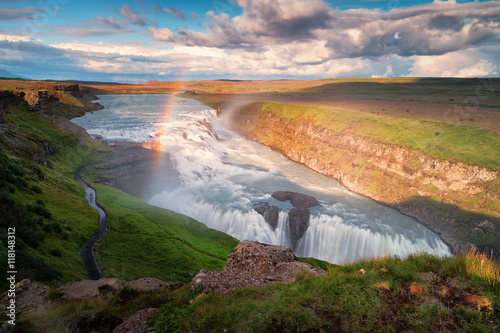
(56,253)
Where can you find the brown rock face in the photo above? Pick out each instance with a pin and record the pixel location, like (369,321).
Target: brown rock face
(254,264)
(80,289)
(39,101)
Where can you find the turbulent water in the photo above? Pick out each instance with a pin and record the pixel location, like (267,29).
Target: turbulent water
(223,175)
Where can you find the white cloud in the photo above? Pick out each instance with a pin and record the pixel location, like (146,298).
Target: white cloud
(163,34)
(467,63)
(445,2)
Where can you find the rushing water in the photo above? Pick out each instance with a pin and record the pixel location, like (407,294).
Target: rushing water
(223,175)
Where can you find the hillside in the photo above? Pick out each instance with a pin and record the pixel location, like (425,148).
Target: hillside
(40,153)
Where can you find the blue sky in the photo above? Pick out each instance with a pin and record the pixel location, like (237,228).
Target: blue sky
(142,40)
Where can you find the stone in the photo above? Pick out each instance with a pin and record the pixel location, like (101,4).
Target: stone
(254,264)
(269,212)
(298,221)
(29,296)
(299,200)
(137,323)
(146,284)
(80,289)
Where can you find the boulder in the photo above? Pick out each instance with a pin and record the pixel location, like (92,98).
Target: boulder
(30,296)
(146,284)
(299,200)
(298,220)
(80,289)
(270,213)
(254,264)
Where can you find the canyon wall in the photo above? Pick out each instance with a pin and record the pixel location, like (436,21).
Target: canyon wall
(438,193)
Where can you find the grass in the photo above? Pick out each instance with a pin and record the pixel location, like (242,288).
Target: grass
(53,186)
(53,220)
(420,294)
(456,143)
(144,240)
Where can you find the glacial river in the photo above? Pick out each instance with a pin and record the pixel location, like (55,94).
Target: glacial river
(224,175)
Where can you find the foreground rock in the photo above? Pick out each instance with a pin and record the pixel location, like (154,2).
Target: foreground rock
(30,296)
(254,264)
(80,289)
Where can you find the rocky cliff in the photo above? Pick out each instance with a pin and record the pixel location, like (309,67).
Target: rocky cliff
(254,264)
(433,191)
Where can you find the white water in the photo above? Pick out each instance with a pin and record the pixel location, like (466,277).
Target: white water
(223,175)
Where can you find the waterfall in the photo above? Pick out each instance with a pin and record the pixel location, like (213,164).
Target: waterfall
(223,176)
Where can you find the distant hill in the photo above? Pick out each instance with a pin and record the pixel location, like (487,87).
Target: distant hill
(9,75)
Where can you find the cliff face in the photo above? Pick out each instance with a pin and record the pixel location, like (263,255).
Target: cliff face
(431,190)
(338,155)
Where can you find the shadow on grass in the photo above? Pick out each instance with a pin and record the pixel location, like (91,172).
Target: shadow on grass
(451,220)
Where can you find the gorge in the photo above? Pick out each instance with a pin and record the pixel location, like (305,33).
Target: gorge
(224,176)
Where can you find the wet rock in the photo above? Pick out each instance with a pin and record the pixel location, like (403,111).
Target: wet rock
(298,217)
(298,221)
(269,212)
(299,200)
(254,264)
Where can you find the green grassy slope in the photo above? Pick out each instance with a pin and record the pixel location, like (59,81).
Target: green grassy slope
(40,198)
(149,241)
(48,232)
(419,294)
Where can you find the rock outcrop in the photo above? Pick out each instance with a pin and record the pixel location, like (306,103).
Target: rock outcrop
(81,289)
(269,212)
(137,323)
(299,200)
(30,296)
(254,264)
(40,101)
(298,217)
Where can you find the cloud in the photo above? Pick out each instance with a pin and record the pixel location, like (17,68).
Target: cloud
(420,30)
(132,15)
(445,2)
(196,17)
(179,14)
(466,63)
(18,13)
(163,34)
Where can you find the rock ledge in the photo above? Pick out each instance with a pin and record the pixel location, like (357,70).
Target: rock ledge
(254,264)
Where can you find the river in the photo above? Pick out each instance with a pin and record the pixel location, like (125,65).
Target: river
(223,176)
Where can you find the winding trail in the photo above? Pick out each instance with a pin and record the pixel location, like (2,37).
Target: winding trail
(87,251)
